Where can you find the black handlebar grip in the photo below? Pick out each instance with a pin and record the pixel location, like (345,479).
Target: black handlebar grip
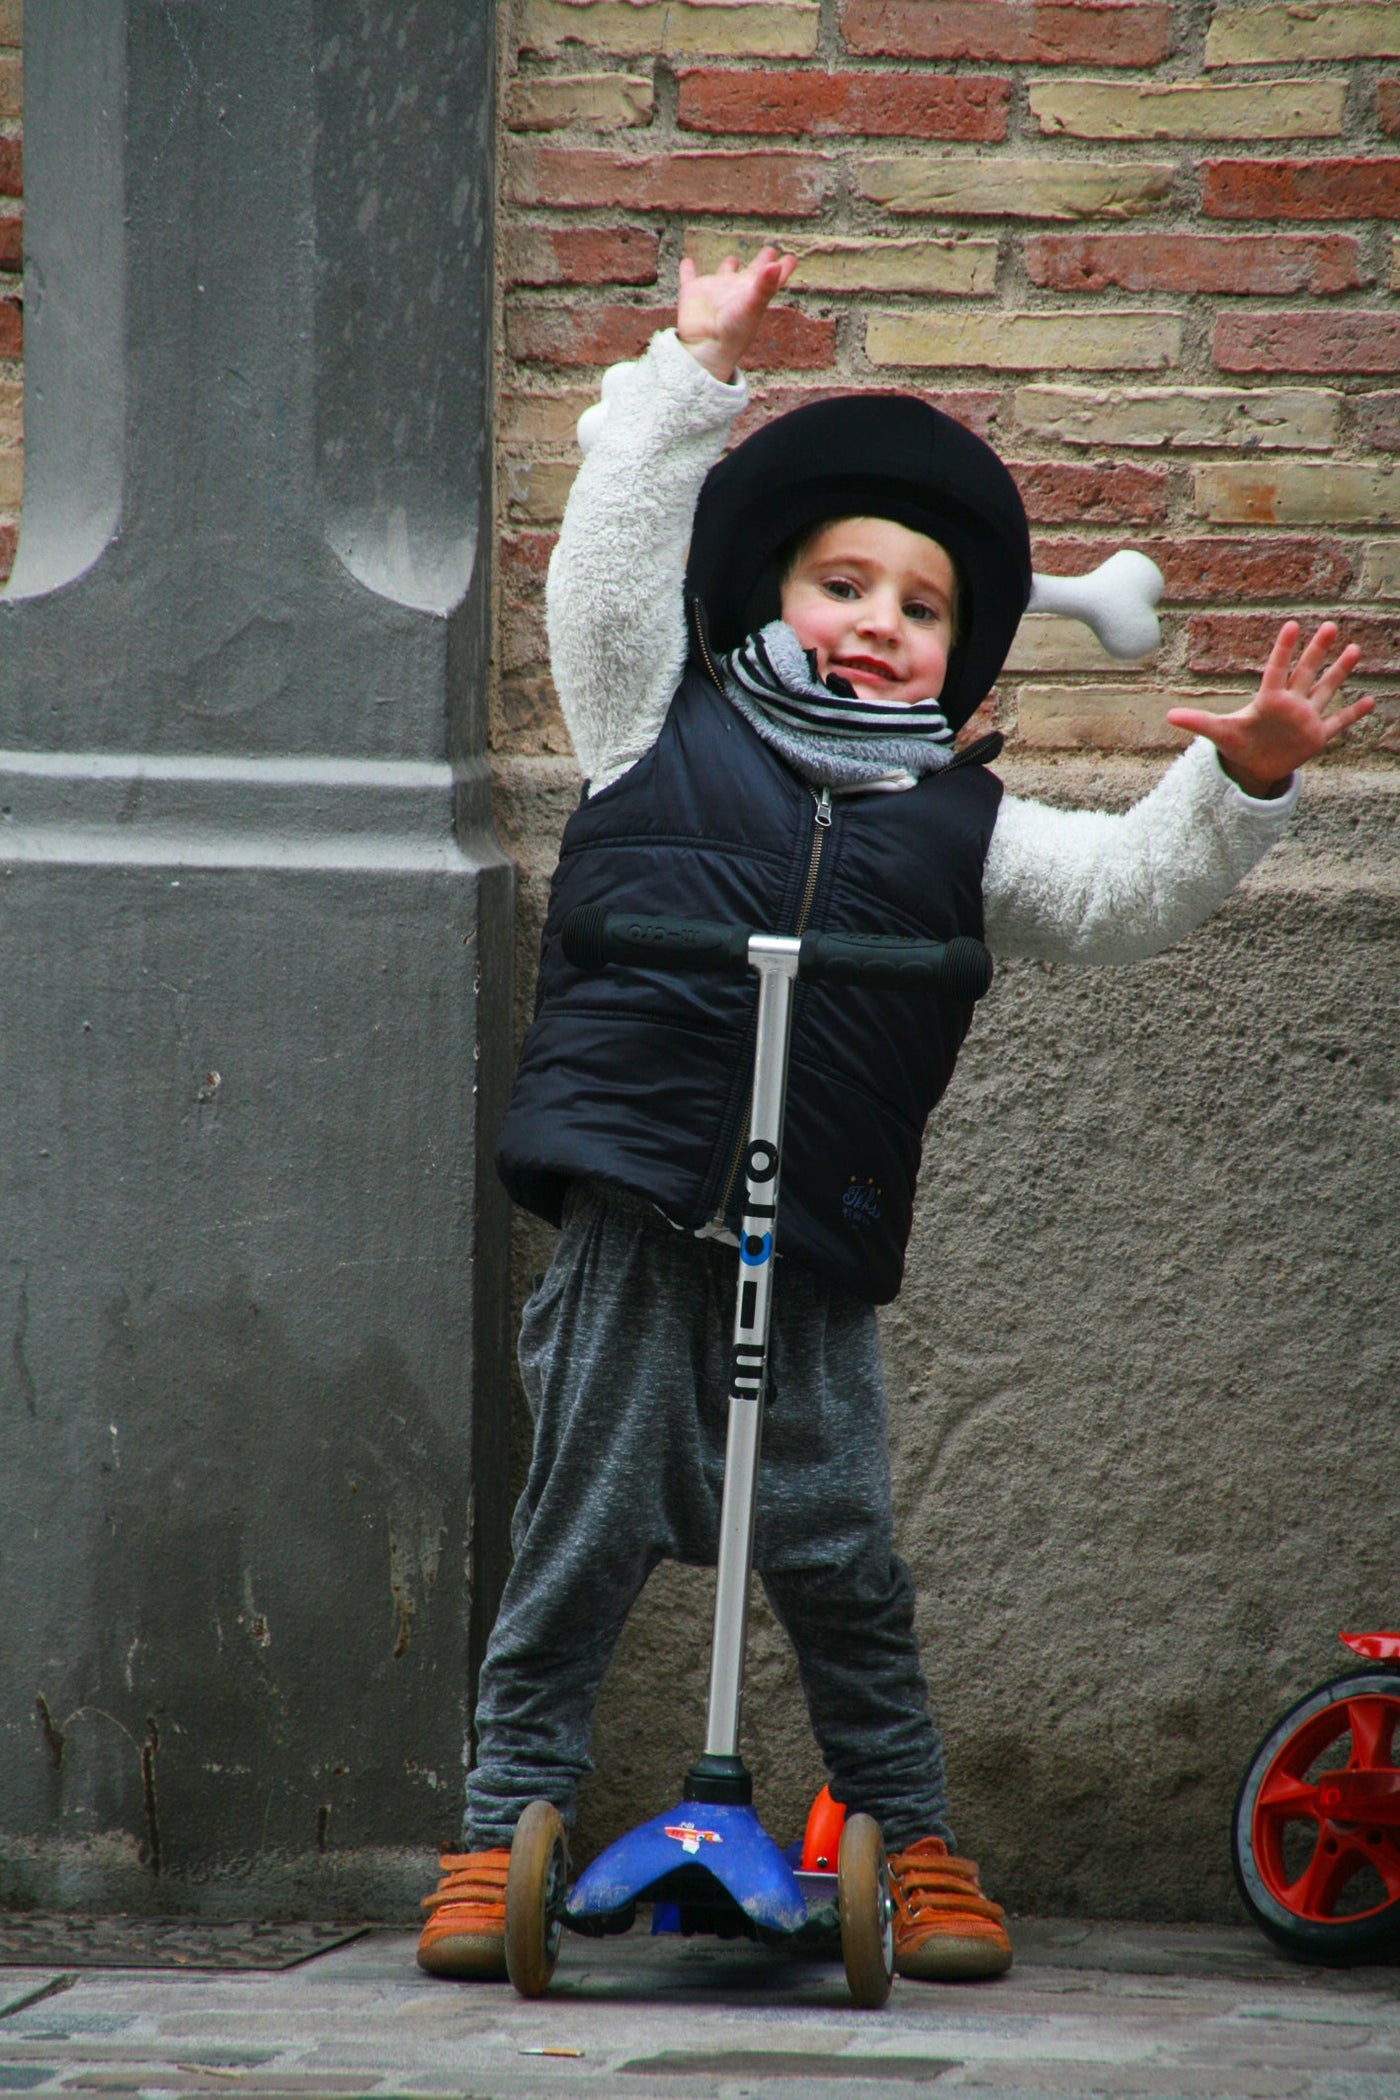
(960,968)
(593,937)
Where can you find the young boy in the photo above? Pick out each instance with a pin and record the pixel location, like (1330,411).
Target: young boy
(862,566)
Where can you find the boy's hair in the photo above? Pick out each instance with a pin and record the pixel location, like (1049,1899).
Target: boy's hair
(797,548)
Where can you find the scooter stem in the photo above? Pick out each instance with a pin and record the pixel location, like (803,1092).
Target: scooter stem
(775,957)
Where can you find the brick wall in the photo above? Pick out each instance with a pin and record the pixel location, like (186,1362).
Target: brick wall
(11,223)
(1147,249)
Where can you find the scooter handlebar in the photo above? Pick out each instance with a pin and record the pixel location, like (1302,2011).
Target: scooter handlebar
(593,937)
(960,968)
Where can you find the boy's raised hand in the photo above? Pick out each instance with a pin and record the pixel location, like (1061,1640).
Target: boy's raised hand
(717,316)
(1286,722)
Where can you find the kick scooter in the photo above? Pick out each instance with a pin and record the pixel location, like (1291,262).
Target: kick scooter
(1316,1830)
(709,1857)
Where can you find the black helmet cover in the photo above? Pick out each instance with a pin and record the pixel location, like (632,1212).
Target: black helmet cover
(866,455)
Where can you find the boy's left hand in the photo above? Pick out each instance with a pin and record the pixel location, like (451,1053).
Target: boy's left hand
(1285,724)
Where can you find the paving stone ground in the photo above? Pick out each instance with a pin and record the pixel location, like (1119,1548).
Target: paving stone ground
(1089,2009)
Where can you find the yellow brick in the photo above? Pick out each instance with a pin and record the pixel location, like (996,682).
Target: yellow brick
(11,21)
(1108,717)
(966,268)
(1104,342)
(604,101)
(1380,569)
(1044,643)
(543,419)
(1261,36)
(11,84)
(1017,189)
(1395,265)
(1311,493)
(11,411)
(534,490)
(11,476)
(1272,109)
(769,29)
(1282,418)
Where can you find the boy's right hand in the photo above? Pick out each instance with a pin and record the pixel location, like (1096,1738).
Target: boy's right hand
(717,317)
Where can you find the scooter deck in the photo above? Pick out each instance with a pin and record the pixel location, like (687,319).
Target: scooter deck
(675,1855)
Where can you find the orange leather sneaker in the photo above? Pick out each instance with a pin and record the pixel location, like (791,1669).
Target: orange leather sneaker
(945,1929)
(465,1936)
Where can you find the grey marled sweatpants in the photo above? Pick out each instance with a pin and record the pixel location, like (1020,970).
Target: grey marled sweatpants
(624,1349)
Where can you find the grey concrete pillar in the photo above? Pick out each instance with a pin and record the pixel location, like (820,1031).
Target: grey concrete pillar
(254,955)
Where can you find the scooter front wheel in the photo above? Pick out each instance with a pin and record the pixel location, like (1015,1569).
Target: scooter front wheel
(1316,1831)
(867,1912)
(536,1887)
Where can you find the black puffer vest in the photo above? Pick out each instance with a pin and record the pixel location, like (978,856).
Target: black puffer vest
(642,1080)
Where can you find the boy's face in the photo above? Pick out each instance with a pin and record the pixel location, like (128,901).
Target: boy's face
(875,601)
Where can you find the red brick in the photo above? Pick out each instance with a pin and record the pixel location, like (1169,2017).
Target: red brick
(1012,32)
(1349,341)
(1059,492)
(1203,571)
(1302,189)
(11,328)
(601,335)
(577,255)
(976,407)
(1378,420)
(11,168)
(1241,641)
(11,240)
(844,105)
(1184,262)
(758,185)
(8,538)
(522,560)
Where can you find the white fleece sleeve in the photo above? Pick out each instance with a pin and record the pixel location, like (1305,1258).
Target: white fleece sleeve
(1093,887)
(615,599)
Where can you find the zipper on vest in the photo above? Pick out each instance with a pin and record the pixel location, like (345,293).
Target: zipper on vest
(697,621)
(821,824)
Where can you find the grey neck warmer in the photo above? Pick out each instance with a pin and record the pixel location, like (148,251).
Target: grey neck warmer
(823,731)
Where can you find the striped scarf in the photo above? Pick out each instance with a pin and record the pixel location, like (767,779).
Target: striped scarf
(824,731)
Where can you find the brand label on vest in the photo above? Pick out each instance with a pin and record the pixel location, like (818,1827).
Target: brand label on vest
(860,1202)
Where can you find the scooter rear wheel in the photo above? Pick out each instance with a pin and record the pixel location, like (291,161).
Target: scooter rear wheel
(536,1887)
(1316,1830)
(867,1912)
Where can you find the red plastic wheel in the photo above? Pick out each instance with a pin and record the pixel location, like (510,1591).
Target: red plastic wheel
(1317,1823)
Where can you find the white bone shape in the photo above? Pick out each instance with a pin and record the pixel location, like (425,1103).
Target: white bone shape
(1116,600)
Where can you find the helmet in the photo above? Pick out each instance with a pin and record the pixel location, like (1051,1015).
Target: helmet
(866,455)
